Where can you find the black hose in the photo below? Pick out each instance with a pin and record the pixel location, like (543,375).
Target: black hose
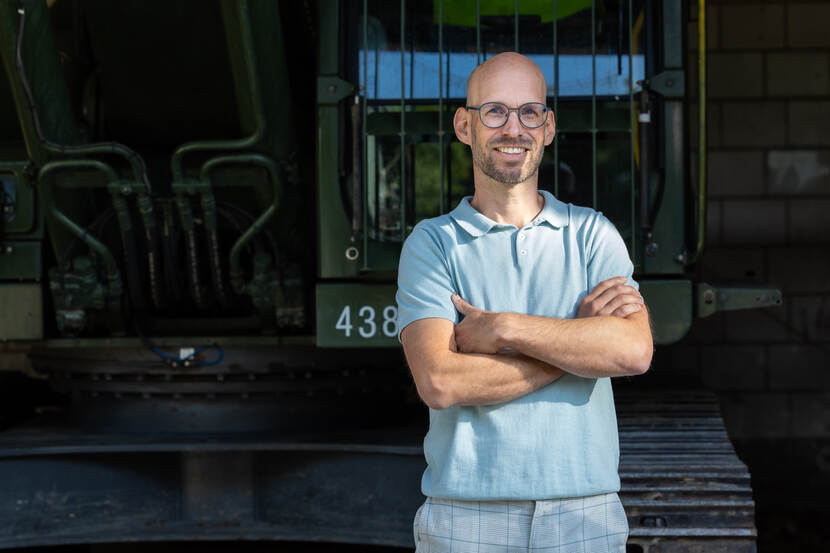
(169,250)
(156,290)
(133,274)
(216,269)
(193,270)
(152,243)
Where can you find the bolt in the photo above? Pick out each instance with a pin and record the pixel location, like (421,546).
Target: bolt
(9,249)
(669,83)
(126,190)
(709,296)
(651,249)
(352,253)
(332,89)
(7,209)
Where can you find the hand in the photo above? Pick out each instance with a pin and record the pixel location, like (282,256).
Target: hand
(478,332)
(611,297)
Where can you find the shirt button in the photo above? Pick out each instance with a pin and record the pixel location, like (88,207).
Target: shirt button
(523,252)
(521,236)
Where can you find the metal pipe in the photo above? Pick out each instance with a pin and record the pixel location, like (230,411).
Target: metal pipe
(478,33)
(113,276)
(136,162)
(594,103)
(555,100)
(402,178)
(643,120)
(516,25)
(259,111)
(701,133)
(631,166)
(357,174)
(364,142)
(441,168)
(237,281)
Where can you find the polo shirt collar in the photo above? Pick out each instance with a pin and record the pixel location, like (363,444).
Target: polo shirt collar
(554,212)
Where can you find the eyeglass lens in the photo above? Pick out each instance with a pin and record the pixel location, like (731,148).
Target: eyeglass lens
(495,114)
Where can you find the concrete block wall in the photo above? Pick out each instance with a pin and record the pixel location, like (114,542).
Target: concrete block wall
(769,222)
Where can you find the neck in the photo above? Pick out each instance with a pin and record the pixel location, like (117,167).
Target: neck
(516,204)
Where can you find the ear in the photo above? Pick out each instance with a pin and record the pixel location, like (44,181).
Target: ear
(550,128)
(461,124)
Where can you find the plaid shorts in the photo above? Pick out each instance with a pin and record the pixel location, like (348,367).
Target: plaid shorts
(573,525)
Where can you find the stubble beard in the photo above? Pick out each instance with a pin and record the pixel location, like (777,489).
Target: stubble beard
(484,159)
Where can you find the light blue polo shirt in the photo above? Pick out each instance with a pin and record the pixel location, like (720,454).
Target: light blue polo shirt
(561,440)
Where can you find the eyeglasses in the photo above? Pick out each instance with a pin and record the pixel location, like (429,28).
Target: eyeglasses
(494,114)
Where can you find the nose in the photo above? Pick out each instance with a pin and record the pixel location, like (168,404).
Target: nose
(513,127)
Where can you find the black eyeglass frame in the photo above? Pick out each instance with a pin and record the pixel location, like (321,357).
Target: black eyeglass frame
(509,109)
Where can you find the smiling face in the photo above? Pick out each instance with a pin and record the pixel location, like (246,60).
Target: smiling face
(510,154)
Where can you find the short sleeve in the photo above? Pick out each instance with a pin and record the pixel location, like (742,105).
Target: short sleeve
(608,257)
(424,281)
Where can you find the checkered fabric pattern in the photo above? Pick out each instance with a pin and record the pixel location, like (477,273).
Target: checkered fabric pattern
(595,524)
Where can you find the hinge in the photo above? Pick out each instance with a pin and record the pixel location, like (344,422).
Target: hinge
(669,83)
(331,89)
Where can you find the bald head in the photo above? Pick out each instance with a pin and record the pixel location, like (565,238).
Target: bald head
(507,66)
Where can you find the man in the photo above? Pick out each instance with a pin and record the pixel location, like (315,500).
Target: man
(522,449)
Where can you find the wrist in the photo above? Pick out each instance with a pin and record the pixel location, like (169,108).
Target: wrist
(505,326)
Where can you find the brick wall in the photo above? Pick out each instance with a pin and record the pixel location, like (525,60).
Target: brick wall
(769,222)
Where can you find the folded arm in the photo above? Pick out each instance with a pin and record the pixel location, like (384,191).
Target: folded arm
(611,342)
(445,377)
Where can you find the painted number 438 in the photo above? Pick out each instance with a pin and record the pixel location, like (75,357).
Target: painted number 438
(366,321)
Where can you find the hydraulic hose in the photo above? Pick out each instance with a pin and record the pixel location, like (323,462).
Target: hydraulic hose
(212,242)
(151,238)
(186,215)
(170,239)
(122,212)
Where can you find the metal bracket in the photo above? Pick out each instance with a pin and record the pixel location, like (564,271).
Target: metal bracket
(670,84)
(331,89)
(713,298)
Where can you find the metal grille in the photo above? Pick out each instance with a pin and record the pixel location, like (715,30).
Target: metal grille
(414,59)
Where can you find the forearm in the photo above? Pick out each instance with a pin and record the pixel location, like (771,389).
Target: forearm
(591,347)
(445,377)
(489,379)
